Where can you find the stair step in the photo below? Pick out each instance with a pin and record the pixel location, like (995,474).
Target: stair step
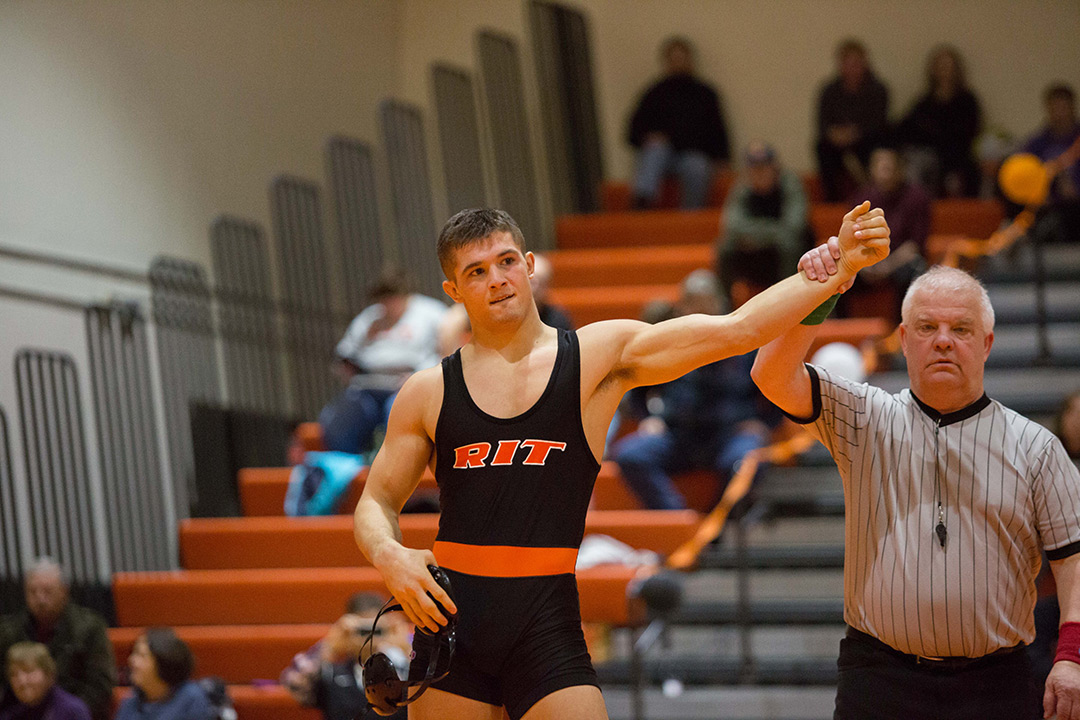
(820,611)
(796,557)
(714,671)
(323,542)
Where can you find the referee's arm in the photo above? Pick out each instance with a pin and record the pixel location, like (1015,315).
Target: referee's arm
(1062,695)
(778,369)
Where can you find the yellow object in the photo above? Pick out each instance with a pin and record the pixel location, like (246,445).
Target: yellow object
(1024,180)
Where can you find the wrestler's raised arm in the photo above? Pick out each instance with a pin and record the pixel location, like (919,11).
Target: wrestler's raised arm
(634,354)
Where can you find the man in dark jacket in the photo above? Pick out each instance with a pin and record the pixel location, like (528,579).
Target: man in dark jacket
(75,636)
(678,127)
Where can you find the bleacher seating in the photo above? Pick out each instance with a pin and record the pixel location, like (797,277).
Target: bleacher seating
(257,589)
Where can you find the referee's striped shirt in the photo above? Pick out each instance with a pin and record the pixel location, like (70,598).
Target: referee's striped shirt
(1007,489)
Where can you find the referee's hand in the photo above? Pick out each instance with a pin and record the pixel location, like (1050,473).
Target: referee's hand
(1062,696)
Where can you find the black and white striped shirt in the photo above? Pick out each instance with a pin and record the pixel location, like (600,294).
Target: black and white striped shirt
(1007,489)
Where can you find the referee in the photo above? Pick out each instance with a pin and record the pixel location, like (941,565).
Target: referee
(950,500)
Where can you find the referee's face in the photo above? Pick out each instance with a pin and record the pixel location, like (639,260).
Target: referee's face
(946,345)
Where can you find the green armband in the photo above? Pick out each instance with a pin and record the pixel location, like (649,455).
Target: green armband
(821,311)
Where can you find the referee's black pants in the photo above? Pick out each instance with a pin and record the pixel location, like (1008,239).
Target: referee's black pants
(879,683)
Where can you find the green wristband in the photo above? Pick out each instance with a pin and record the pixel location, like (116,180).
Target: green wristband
(821,311)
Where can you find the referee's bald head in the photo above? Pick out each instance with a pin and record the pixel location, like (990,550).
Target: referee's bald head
(941,278)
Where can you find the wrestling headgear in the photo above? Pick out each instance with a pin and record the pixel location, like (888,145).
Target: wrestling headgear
(385,691)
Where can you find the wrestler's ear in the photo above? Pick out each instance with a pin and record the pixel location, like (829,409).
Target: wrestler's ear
(450,288)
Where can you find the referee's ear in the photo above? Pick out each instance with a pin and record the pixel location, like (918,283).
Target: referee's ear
(989,344)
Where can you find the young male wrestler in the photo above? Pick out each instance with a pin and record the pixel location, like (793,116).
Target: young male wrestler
(513,426)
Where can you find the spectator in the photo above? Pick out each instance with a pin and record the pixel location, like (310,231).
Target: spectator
(678,126)
(1056,144)
(550,314)
(454,330)
(74,635)
(764,228)
(707,419)
(853,111)
(388,341)
(941,128)
(161,666)
(907,206)
(327,676)
(31,672)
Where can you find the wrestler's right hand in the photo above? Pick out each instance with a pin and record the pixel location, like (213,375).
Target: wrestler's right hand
(405,572)
(864,238)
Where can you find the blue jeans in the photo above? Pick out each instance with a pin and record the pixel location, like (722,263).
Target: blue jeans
(350,420)
(648,461)
(657,159)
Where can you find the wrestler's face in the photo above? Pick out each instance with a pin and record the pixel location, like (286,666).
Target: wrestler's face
(491,279)
(946,344)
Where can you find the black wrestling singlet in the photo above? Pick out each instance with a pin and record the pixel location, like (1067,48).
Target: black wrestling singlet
(514,493)
(521,482)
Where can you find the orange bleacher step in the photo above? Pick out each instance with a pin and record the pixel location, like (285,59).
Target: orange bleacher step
(238,654)
(279,542)
(970,217)
(649,228)
(592,304)
(255,702)
(262,491)
(593,267)
(304,595)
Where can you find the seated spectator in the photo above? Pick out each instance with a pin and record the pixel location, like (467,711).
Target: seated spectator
(939,131)
(707,419)
(328,675)
(454,331)
(764,228)
(1056,144)
(388,341)
(31,672)
(75,637)
(852,117)
(161,665)
(678,127)
(540,281)
(907,206)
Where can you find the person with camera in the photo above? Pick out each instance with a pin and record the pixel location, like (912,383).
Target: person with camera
(329,674)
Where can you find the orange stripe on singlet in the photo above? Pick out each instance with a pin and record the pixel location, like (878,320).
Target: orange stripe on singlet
(504,560)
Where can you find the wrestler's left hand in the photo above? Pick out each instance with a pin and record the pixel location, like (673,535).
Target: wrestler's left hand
(405,572)
(1062,695)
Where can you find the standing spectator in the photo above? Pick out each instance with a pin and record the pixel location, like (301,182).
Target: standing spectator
(552,315)
(161,666)
(707,419)
(388,341)
(328,675)
(764,228)
(1056,144)
(75,637)
(907,207)
(950,500)
(853,111)
(31,672)
(942,127)
(678,127)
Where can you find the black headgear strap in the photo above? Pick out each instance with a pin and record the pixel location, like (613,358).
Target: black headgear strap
(394,683)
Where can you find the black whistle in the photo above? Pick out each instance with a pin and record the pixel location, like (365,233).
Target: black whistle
(942,533)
